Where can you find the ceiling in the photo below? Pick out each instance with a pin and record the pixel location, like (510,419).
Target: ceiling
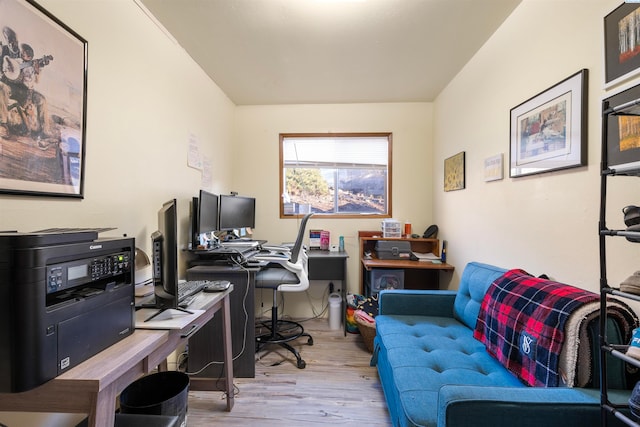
(265,52)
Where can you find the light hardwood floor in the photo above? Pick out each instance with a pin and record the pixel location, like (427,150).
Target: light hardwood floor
(337,387)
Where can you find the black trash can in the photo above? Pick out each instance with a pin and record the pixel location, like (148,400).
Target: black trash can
(162,393)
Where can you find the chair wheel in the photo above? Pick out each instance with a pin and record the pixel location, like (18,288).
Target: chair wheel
(310,341)
(301,364)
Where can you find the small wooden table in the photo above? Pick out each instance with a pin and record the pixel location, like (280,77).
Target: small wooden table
(93,386)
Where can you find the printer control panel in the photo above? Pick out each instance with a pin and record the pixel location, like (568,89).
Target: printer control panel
(79,272)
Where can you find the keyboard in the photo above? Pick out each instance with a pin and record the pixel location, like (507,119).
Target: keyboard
(190,288)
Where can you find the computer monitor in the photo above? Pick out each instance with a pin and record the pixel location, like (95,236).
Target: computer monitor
(207,212)
(236,212)
(164,243)
(204,219)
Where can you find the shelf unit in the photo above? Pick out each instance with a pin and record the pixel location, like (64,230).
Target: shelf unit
(417,274)
(627,104)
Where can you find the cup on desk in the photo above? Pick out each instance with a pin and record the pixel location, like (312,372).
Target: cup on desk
(407,229)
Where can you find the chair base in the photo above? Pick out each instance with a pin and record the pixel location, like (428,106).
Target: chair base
(284,332)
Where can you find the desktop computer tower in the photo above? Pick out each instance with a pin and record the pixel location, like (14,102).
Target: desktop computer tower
(204,345)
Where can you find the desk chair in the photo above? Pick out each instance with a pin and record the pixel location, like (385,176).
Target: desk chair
(284,275)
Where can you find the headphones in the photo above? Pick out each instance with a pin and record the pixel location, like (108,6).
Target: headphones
(631,215)
(432,232)
(632,220)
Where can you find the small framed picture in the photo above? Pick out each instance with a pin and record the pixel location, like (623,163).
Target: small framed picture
(493,168)
(454,172)
(621,41)
(621,127)
(549,131)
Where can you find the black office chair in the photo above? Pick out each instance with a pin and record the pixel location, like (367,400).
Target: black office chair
(284,275)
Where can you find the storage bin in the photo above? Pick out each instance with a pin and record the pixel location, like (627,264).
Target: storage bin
(393,249)
(382,278)
(391,228)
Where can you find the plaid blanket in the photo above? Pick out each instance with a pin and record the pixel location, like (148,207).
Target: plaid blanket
(521,322)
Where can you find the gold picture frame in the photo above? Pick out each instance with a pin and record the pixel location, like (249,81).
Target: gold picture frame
(454,172)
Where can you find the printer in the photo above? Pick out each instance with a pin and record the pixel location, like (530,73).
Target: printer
(64,297)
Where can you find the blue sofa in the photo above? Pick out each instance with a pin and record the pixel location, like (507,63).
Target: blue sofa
(434,373)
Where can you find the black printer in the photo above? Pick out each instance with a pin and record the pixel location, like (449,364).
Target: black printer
(64,297)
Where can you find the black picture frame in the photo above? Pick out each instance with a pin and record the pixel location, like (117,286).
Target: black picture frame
(621,132)
(621,60)
(548,132)
(43,103)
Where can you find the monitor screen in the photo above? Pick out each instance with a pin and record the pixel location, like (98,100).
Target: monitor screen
(207,212)
(237,212)
(164,243)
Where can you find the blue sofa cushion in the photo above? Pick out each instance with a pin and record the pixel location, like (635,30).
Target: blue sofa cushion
(476,279)
(423,353)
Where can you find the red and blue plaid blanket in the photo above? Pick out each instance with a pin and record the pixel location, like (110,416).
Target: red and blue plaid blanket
(521,322)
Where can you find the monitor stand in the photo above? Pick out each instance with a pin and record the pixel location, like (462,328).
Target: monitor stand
(165,309)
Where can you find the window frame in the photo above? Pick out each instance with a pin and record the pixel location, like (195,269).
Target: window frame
(281,186)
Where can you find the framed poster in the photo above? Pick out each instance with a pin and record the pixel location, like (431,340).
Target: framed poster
(549,131)
(622,43)
(43,87)
(454,172)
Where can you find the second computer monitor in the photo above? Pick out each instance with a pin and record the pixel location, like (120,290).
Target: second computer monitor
(207,212)
(236,212)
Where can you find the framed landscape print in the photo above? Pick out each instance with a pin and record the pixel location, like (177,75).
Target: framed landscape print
(43,83)
(548,131)
(622,43)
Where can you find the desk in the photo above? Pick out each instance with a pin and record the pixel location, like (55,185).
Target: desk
(417,274)
(326,265)
(92,386)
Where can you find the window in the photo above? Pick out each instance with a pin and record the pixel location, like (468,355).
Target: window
(339,175)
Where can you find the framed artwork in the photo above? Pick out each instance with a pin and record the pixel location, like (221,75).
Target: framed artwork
(621,127)
(454,172)
(549,131)
(493,168)
(43,101)
(621,41)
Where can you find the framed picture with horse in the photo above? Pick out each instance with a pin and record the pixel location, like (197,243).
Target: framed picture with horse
(43,86)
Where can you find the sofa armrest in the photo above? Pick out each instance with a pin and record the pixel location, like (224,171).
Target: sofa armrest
(463,405)
(417,302)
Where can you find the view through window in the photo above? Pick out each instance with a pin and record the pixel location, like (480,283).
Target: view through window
(335,174)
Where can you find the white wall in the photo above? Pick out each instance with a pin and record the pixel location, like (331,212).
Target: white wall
(145,98)
(257,132)
(545,223)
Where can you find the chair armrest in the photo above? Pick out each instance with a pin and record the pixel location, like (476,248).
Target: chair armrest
(464,405)
(417,302)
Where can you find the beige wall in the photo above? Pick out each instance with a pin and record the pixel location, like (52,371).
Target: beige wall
(145,98)
(546,223)
(256,139)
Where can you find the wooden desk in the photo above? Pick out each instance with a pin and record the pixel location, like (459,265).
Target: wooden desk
(93,386)
(417,274)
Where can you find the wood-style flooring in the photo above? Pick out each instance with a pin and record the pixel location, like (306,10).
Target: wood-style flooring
(337,387)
